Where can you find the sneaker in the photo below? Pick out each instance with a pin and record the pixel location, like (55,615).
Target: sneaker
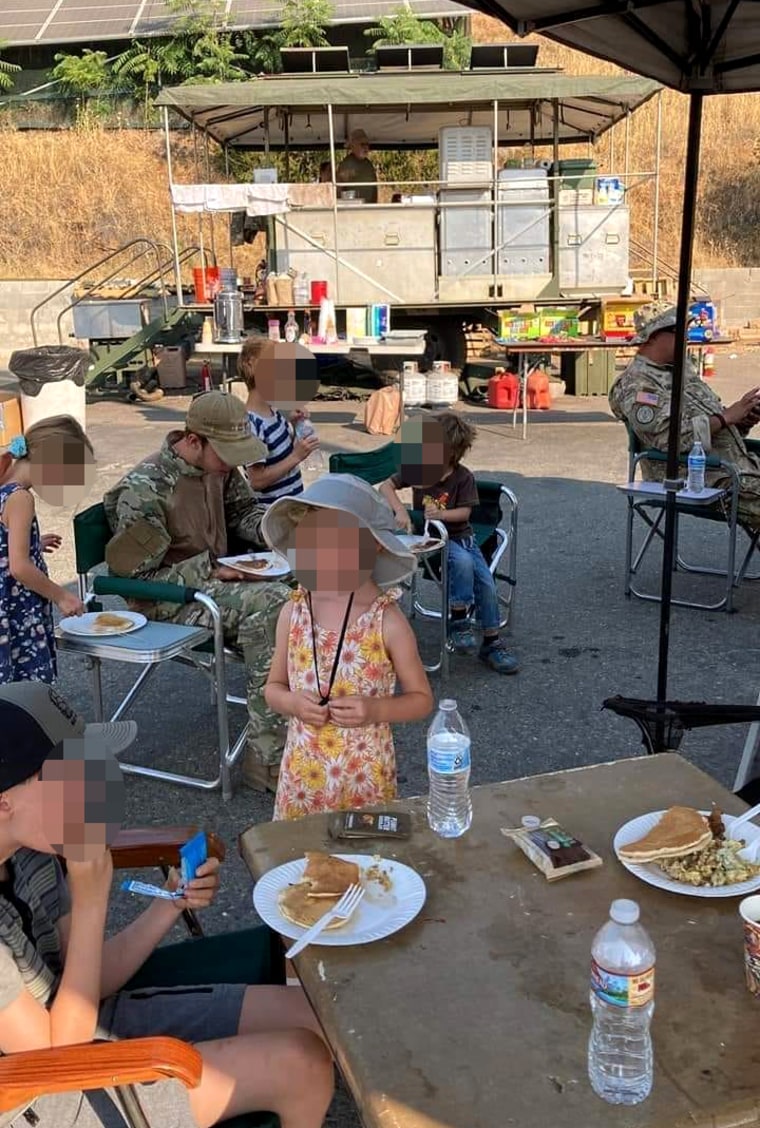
(462,637)
(497,657)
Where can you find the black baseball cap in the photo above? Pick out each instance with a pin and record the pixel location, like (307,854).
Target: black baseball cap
(34,723)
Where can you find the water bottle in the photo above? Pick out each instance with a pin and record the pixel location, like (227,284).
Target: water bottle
(302,290)
(449,808)
(315,462)
(695,481)
(622,1003)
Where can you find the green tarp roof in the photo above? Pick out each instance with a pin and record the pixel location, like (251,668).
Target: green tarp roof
(406,109)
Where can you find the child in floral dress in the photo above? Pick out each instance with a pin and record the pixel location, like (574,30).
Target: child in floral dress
(342,643)
(52,453)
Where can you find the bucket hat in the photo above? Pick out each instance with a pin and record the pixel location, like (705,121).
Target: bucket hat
(35,721)
(223,420)
(346,494)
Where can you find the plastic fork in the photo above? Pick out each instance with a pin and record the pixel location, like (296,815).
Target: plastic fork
(345,908)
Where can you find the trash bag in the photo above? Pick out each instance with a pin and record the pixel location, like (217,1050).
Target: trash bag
(48,364)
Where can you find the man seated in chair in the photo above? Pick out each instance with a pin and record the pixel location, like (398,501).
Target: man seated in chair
(62,983)
(641,398)
(173,517)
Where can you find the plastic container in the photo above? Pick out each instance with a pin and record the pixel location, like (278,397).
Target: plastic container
(51,379)
(273,329)
(301,290)
(449,808)
(356,322)
(318,291)
(504,391)
(316,461)
(539,396)
(577,175)
(620,1059)
(206,282)
(695,480)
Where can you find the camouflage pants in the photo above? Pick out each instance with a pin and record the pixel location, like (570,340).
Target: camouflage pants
(249,615)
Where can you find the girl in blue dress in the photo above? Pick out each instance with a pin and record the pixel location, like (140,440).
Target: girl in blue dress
(52,459)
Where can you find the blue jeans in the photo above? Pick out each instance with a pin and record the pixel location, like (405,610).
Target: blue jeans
(471,582)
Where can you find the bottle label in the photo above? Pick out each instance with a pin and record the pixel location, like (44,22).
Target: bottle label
(449,760)
(620,990)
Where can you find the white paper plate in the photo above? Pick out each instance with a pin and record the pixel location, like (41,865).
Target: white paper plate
(651,873)
(87,625)
(413,540)
(276,565)
(380,913)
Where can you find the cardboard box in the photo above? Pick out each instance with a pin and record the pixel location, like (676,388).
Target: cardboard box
(705,324)
(518,326)
(172,366)
(575,198)
(618,318)
(558,323)
(10,418)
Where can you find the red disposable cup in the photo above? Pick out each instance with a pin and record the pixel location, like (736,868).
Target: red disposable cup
(199,282)
(318,291)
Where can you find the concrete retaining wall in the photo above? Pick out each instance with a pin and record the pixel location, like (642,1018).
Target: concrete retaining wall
(736,293)
(17,300)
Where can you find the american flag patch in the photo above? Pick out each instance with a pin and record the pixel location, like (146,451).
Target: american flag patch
(648,397)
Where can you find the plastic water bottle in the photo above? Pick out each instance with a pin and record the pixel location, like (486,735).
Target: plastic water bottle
(622,1003)
(315,462)
(449,809)
(695,480)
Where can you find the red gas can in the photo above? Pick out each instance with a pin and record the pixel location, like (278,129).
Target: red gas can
(504,390)
(539,396)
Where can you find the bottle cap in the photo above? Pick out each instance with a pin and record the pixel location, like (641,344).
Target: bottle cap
(448,703)
(530,822)
(624,912)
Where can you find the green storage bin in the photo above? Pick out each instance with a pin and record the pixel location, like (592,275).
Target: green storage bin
(589,373)
(578,174)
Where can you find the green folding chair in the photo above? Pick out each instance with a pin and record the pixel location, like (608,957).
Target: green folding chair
(373,466)
(151,646)
(651,511)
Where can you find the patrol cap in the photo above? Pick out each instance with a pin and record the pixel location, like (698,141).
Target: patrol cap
(36,721)
(655,318)
(223,420)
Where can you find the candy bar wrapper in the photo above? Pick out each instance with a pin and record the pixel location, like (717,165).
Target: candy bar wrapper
(370,824)
(192,855)
(145,889)
(552,850)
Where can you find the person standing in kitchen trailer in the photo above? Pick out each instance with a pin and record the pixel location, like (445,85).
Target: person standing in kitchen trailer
(357,169)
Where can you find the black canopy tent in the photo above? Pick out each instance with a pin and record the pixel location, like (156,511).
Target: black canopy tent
(698,47)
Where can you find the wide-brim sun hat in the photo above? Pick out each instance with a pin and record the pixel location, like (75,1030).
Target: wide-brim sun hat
(343,493)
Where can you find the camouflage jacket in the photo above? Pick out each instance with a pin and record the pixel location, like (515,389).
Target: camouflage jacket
(641,398)
(144,517)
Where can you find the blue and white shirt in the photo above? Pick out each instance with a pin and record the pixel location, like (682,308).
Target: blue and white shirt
(277,435)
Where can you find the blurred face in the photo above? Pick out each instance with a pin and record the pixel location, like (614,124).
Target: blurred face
(359,148)
(286,375)
(425,455)
(664,346)
(330,551)
(74,807)
(61,470)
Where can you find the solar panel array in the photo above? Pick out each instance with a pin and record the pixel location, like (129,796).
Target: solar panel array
(86,21)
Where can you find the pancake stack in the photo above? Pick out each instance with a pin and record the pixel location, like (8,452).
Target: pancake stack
(325,880)
(680,831)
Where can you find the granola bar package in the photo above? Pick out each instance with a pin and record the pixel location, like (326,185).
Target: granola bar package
(551,849)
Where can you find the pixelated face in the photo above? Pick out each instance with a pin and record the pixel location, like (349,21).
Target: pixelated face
(425,455)
(75,806)
(666,345)
(359,148)
(331,551)
(62,470)
(286,375)
(210,462)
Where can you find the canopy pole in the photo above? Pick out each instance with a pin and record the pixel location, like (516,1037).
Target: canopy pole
(175,237)
(672,483)
(626,166)
(331,131)
(208,181)
(657,163)
(286,131)
(612,150)
(226,152)
(197,170)
(494,196)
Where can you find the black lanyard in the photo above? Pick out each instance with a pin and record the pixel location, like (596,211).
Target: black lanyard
(325,697)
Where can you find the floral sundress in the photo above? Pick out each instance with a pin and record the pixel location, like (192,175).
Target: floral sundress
(334,768)
(27,636)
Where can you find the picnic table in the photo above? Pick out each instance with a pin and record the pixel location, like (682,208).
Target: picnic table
(477,1014)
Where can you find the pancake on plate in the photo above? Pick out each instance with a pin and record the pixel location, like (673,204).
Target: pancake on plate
(680,831)
(325,880)
(108,621)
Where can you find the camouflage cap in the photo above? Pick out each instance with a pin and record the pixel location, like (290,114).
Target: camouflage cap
(653,318)
(223,420)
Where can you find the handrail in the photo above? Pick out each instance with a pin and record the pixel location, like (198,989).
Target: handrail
(84,297)
(148,279)
(149,244)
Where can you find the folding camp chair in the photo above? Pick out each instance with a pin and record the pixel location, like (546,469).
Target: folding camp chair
(253,956)
(150,647)
(651,510)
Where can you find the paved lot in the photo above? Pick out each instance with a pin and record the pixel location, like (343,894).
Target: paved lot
(578,639)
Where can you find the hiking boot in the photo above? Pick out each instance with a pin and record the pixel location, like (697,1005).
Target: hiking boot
(258,776)
(497,657)
(462,637)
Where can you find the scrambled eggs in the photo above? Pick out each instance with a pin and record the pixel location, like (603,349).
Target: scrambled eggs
(716,864)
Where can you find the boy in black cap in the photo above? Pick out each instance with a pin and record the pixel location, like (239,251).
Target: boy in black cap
(61,792)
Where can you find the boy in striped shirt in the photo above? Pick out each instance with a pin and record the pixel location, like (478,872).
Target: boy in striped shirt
(280,474)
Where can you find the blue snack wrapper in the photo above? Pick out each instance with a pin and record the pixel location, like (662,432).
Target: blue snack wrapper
(147,890)
(192,855)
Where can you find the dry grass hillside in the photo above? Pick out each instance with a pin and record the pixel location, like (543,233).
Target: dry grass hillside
(67,198)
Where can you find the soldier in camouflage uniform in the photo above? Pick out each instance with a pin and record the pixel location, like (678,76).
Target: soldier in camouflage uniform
(171,517)
(641,397)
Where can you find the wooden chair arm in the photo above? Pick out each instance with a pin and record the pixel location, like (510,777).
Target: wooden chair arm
(157,846)
(95,1065)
